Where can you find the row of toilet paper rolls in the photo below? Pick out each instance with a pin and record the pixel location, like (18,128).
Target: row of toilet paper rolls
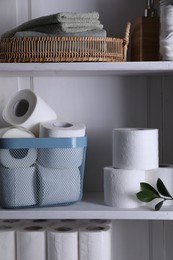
(135,159)
(55,239)
(29,117)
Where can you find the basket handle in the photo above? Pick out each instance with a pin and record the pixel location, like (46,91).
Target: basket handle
(126,40)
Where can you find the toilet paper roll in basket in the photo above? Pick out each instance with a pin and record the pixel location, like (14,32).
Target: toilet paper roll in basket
(62,243)
(18,187)
(135,148)
(95,243)
(31,243)
(55,128)
(27,109)
(16,158)
(61,158)
(165,173)
(121,186)
(58,186)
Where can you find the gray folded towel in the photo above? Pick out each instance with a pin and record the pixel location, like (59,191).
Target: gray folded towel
(79,27)
(91,33)
(57,28)
(49,19)
(70,15)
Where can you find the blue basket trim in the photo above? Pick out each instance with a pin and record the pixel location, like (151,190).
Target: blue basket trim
(17,143)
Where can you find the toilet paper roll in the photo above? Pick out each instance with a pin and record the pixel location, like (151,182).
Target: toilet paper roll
(121,186)
(55,128)
(62,243)
(165,173)
(16,158)
(31,243)
(61,158)
(27,109)
(135,148)
(7,243)
(58,186)
(18,187)
(95,243)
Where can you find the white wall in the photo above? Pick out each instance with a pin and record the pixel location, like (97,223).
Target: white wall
(104,103)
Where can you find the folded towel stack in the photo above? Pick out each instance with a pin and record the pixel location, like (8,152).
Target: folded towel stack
(60,24)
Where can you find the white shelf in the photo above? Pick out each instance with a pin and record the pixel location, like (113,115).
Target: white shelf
(86,68)
(91,207)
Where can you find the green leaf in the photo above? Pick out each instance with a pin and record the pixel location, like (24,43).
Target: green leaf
(146,195)
(159,205)
(147,186)
(162,189)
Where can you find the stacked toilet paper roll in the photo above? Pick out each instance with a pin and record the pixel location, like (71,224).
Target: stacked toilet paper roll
(17,158)
(58,186)
(58,168)
(17,167)
(95,243)
(120,187)
(27,109)
(134,152)
(135,149)
(61,158)
(18,187)
(31,243)
(55,128)
(62,243)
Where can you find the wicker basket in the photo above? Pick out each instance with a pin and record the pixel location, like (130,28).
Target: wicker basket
(64,49)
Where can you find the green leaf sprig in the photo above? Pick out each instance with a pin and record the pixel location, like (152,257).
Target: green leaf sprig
(149,193)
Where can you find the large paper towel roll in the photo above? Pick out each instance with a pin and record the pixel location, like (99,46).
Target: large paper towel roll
(18,187)
(7,243)
(62,243)
(95,243)
(135,148)
(165,173)
(16,158)
(55,128)
(31,243)
(58,186)
(121,186)
(27,109)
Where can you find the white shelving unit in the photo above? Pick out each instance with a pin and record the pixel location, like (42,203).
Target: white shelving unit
(92,205)
(86,69)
